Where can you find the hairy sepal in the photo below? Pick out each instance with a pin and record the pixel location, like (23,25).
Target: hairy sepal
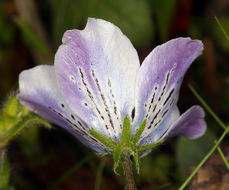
(127,146)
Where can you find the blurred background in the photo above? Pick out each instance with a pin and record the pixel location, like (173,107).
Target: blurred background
(30,33)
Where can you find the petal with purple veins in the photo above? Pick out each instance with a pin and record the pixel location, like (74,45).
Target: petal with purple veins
(96,70)
(160,132)
(159,79)
(190,124)
(38,91)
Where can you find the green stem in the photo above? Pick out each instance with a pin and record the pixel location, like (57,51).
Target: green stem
(223,157)
(130,183)
(205,105)
(221,27)
(204,160)
(4,170)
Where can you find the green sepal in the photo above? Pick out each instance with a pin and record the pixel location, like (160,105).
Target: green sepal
(139,133)
(125,140)
(143,148)
(117,156)
(108,142)
(136,160)
(127,147)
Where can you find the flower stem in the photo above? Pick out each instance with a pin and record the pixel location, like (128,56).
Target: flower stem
(130,183)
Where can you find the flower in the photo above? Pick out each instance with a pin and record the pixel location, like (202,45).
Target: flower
(97,80)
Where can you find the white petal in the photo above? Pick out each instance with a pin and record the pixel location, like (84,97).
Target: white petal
(96,70)
(40,93)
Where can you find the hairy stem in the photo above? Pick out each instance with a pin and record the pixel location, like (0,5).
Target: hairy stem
(130,183)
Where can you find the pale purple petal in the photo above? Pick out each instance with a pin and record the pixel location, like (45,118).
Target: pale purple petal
(38,91)
(96,71)
(159,79)
(190,124)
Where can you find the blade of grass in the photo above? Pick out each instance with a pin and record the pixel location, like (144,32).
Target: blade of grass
(223,157)
(31,38)
(204,160)
(221,27)
(218,120)
(70,172)
(99,175)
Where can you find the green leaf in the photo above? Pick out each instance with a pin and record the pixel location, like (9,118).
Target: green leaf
(11,107)
(139,133)
(8,31)
(117,156)
(14,117)
(126,133)
(132,16)
(25,121)
(164,10)
(143,148)
(4,170)
(108,142)
(31,38)
(68,14)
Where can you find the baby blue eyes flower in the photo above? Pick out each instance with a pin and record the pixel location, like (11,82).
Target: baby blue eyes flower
(97,80)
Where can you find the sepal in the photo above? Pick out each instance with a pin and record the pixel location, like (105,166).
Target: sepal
(108,142)
(127,147)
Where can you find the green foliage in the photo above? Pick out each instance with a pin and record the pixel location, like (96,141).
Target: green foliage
(68,14)
(191,156)
(223,157)
(219,38)
(156,168)
(14,118)
(4,170)
(222,28)
(164,10)
(226,131)
(204,159)
(31,39)
(99,175)
(7,31)
(132,16)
